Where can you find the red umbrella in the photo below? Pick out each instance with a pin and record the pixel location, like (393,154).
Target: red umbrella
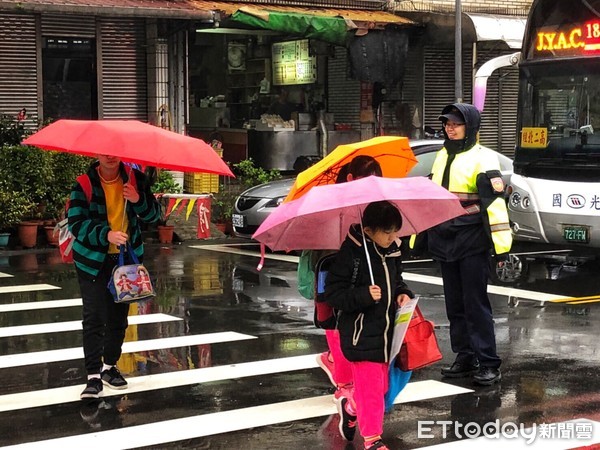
(131,141)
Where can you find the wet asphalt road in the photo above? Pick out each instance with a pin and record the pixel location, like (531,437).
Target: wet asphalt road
(217,390)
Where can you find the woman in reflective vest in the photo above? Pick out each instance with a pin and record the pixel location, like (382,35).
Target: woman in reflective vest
(462,245)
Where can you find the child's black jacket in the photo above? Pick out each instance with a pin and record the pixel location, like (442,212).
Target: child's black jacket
(366,328)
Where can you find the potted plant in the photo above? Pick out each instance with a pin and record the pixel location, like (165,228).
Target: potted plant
(14,206)
(165,184)
(247,175)
(222,207)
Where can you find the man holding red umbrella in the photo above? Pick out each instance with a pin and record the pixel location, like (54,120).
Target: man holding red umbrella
(110,217)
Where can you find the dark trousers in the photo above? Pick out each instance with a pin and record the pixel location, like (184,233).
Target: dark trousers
(104,321)
(469,310)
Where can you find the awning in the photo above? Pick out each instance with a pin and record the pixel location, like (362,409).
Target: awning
(509,29)
(326,24)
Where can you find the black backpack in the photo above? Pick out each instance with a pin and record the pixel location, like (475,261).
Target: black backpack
(325,315)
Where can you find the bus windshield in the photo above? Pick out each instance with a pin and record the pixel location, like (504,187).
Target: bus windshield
(565,105)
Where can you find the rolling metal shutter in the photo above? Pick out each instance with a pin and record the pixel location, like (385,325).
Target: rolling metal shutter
(343,93)
(408,92)
(498,121)
(69,26)
(489,132)
(18,66)
(439,82)
(124,87)
(508,100)
(499,117)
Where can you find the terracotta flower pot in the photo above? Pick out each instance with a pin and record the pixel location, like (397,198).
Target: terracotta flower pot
(51,236)
(221,226)
(165,234)
(28,234)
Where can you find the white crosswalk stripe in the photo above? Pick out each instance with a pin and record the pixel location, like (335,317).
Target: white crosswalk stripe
(73,325)
(223,422)
(24,359)
(29,306)
(26,288)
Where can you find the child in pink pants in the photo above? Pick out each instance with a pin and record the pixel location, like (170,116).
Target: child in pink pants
(366,296)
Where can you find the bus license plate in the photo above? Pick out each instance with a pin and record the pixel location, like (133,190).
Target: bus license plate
(237,220)
(576,234)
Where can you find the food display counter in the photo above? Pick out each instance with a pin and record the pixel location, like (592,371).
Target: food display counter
(274,149)
(279,149)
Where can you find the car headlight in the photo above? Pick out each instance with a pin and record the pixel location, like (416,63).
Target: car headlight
(275,202)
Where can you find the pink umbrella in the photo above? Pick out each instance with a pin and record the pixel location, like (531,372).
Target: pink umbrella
(320,219)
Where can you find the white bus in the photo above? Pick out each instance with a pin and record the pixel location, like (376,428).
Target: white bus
(554,194)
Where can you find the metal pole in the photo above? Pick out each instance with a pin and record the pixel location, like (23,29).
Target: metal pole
(458,84)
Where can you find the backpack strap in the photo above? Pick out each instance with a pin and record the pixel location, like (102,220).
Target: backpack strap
(131,176)
(86,184)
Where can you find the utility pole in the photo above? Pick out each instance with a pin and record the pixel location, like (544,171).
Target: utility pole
(458,84)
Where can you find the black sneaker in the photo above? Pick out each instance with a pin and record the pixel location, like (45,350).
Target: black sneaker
(486,376)
(347,420)
(93,389)
(378,445)
(113,378)
(459,370)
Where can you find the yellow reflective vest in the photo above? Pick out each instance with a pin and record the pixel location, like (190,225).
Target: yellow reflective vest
(475,178)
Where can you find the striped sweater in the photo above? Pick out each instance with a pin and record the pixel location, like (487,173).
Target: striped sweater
(88,222)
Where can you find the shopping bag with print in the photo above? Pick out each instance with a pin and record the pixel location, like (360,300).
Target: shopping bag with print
(130,282)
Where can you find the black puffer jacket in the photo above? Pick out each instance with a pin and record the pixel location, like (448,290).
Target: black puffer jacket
(366,327)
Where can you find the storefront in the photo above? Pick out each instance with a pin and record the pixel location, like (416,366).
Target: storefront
(269,88)
(92,59)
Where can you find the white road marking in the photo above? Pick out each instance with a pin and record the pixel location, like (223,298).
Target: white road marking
(28,306)
(24,359)
(237,251)
(551,442)
(500,290)
(73,325)
(26,288)
(227,421)
(45,397)
(5,275)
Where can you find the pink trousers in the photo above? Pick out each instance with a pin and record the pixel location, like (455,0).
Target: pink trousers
(342,373)
(370,386)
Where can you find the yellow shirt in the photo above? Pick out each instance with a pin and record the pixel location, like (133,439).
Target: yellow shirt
(115,208)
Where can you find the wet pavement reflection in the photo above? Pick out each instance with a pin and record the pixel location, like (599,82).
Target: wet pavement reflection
(244,341)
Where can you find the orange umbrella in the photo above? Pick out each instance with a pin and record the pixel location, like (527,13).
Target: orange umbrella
(392,152)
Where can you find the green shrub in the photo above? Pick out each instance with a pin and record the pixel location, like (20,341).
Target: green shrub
(165,183)
(248,175)
(14,206)
(12,131)
(42,177)
(66,167)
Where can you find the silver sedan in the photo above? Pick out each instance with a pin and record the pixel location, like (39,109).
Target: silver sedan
(255,204)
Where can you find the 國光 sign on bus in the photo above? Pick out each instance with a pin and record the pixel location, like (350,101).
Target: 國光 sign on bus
(534,137)
(568,40)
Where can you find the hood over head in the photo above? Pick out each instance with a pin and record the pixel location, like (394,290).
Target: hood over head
(462,113)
